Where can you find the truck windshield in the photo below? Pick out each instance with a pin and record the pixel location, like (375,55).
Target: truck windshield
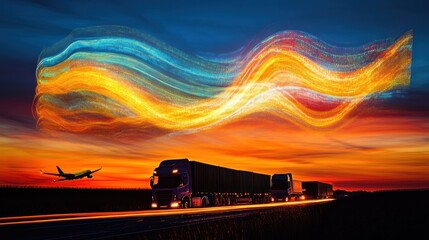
(167,181)
(279,184)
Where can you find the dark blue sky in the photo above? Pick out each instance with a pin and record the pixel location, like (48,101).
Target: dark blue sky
(27,27)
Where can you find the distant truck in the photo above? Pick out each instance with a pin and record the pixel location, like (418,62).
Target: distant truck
(284,188)
(317,190)
(183,183)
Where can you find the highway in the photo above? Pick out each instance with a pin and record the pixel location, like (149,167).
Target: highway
(103,225)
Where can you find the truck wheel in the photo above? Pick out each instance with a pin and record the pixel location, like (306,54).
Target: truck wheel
(185,203)
(204,203)
(216,201)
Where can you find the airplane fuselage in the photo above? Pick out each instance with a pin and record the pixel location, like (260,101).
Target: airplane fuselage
(72,176)
(82,174)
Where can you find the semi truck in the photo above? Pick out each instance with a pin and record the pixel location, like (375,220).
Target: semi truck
(317,190)
(182,183)
(284,188)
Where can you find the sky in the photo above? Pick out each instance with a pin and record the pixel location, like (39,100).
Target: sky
(382,144)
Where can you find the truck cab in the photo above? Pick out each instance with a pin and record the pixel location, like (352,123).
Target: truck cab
(284,188)
(170,184)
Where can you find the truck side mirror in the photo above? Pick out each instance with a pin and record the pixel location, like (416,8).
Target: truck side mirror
(151,182)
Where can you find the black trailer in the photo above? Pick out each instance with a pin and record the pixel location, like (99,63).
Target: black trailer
(223,181)
(205,177)
(317,190)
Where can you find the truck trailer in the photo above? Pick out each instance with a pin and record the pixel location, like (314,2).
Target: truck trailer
(184,183)
(317,190)
(284,188)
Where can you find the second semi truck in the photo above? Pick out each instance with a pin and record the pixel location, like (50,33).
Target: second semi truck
(184,183)
(284,188)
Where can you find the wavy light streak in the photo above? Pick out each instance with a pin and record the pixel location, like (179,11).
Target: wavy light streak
(116,80)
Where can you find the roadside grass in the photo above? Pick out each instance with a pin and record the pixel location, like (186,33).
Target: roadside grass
(378,215)
(20,201)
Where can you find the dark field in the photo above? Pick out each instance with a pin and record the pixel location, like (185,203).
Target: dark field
(34,201)
(379,215)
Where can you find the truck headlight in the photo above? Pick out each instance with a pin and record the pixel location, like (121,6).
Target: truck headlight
(154,205)
(174,204)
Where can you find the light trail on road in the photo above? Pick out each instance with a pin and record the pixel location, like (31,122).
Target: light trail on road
(145,213)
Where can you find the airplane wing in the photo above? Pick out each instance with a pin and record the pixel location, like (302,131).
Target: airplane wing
(96,170)
(54,174)
(61,179)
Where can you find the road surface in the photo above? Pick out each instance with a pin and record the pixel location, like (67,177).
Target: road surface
(104,225)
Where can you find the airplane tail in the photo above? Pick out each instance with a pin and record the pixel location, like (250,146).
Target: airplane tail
(59,170)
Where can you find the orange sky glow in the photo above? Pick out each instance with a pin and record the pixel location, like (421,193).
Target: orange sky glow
(371,152)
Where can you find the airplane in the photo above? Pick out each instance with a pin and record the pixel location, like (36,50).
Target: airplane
(71,176)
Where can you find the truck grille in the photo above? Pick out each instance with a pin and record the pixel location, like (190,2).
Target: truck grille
(163,198)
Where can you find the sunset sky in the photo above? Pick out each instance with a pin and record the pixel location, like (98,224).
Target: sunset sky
(377,138)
